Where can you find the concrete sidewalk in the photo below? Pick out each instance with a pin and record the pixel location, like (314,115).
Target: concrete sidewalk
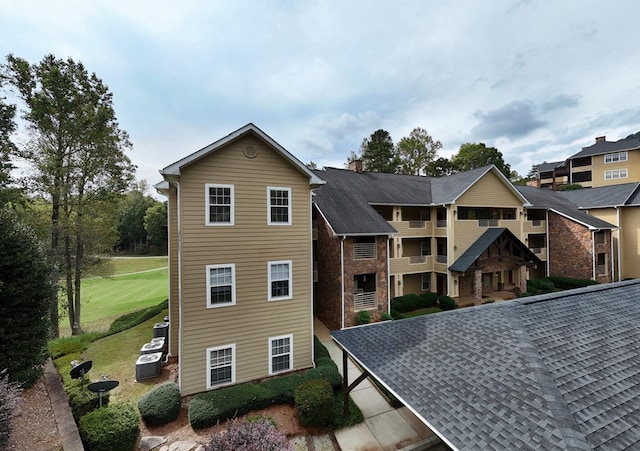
(384,427)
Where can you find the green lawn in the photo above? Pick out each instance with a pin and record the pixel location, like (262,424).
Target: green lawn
(422,311)
(115,356)
(106,298)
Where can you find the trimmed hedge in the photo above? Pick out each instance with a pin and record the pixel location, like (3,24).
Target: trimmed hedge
(83,401)
(209,408)
(568,283)
(363,317)
(113,428)
(314,400)
(411,302)
(161,405)
(446,302)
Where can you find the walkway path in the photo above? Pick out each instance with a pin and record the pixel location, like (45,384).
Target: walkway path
(384,427)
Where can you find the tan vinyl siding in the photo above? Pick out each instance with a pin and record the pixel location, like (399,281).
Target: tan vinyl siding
(489,191)
(630,242)
(174,294)
(249,244)
(467,232)
(598,168)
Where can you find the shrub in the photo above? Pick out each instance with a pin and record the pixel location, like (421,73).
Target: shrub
(386,317)
(446,303)
(161,405)
(26,291)
(259,435)
(112,428)
(314,401)
(10,393)
(568,283)
(429,299)
(319,350)
(546,286)
(396,314)
(83,401)
(363,317)
(134,318)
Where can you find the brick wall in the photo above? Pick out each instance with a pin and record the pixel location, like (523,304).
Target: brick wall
(570,248)
(328,299)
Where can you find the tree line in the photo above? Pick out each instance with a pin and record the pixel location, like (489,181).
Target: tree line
(77,190)
(417,154)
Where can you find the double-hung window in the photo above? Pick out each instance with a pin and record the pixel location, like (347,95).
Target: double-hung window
(615,157)
(278,205)
(219,205)
(221,285)
(615,174)
(221,365)
(280,354)
(279,280)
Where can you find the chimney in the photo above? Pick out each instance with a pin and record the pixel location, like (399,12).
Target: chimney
(355,165)
(600,138)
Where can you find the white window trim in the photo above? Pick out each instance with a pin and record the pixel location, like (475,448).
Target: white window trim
(271,339)
(618,154)
(279,298)
(233,365)
(290,209)
(207,218)
(610,172)
(233,285)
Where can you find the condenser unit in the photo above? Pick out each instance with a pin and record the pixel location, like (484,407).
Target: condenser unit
(152,348)
(164,344)
(148,366)
(160,330)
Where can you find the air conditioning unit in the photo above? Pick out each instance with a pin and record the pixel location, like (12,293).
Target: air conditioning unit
(166,319)
(161,330)
(148,366)
(161,340)
(152,348)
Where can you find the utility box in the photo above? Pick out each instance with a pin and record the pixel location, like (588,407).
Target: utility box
(152,348)
(161,330)
(148,366)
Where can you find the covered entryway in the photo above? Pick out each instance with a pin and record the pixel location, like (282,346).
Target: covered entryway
(496,261)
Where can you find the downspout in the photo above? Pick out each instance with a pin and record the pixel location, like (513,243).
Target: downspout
(311,258)
(342,278)
(593,252)
(548,248)
(619,239)
(388,281)
(180,321)
(613,275)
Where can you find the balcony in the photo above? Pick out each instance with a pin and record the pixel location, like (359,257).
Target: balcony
(441,259)
(411,265)
(441,223)
(365,301)
(364,250)
(415,228)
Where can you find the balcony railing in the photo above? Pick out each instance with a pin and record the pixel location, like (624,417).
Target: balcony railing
(417,224)
(365,301)
(416,259)
(536,222)
(364,250)
(441,258)
(488,223)
(441,223)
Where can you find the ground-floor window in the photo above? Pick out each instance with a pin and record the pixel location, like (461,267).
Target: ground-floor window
(221,365)
(280,353)
(426,282)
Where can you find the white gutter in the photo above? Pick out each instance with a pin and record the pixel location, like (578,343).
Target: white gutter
(342,278)
(548,248)
(619,238)
(593,253)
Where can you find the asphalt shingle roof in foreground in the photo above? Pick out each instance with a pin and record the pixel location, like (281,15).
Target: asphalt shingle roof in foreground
(558,371)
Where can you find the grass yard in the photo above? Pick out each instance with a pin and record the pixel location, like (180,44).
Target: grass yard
(137,283)
(422,311)
(115,356)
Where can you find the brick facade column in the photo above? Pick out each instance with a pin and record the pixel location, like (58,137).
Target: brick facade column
(523,279)
(477,293)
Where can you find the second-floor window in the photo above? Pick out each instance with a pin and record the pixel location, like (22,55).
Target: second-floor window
(279,280)
(615,174)
(219,205)
(221,285)
(279,206)
(615,157)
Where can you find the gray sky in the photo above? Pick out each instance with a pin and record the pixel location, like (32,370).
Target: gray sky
(537,79)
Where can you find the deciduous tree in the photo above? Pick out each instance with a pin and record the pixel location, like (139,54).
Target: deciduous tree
(76,156)
(476,155)
(155,223)
(417,151)
(440,167)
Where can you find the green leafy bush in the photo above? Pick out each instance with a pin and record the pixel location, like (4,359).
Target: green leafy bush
(568,283)
(83,401)
(314,401)
(319,350)
(396,314)
(546,286)
(446,303)
(410,302)
(134,318)
(429,299)
(112,428)
(161,405)
(386,317)
(363,317)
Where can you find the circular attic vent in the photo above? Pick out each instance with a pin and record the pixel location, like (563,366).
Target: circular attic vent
(250,152)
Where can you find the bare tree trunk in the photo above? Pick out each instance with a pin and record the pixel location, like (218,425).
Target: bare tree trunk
(78,268)
(69,280)
(55,273)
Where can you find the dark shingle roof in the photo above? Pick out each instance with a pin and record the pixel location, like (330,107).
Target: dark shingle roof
(602,147)
(482,243)
(347,198)
(558,371)
(602,196)
(544,167)
(553,200)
